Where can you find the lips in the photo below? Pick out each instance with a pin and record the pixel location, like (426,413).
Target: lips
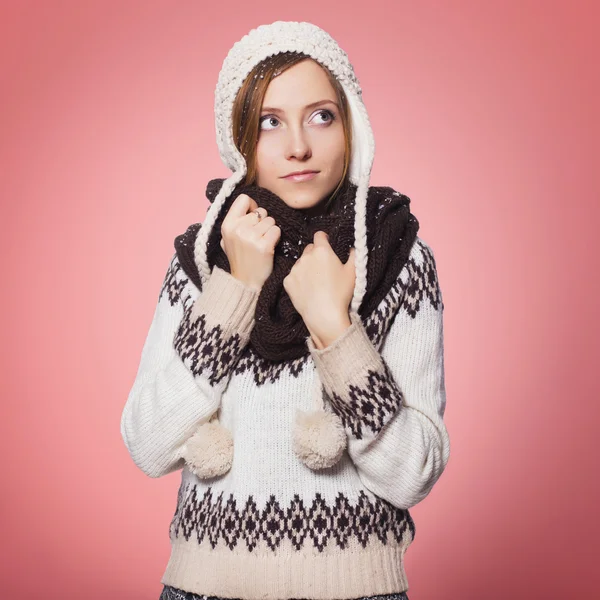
(302,176)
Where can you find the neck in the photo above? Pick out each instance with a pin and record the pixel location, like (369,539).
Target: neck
(316,210)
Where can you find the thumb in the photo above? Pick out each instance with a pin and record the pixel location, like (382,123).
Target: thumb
(350,266)
(321,238)
(350,262)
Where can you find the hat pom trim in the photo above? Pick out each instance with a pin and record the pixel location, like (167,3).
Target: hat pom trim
(319,438)
(209,451)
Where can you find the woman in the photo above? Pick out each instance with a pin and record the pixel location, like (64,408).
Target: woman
(294,367)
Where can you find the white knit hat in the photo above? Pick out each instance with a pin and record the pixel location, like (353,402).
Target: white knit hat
(315,449)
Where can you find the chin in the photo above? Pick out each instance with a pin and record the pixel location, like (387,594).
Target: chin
(300,199)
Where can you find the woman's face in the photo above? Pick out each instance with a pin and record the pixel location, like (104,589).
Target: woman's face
(300,129)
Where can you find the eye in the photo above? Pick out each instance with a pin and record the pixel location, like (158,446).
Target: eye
(328,113)
(330,116)
(266,119)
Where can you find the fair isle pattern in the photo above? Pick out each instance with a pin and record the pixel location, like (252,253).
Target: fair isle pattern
(317,524)
(174,282)
(370,404)
(417,282)
(423,282)
(206,350)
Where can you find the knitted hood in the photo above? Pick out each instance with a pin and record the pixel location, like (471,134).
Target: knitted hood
(258,44)
(319,437)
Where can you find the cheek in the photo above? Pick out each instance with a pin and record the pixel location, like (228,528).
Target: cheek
(266,155)
(334,146)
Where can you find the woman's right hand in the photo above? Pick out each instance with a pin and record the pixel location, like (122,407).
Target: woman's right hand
(249,242)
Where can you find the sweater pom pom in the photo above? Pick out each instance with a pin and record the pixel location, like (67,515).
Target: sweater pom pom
(209,452)
(319,438)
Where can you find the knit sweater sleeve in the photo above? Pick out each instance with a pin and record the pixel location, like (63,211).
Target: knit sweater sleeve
(392,400)
(195,339)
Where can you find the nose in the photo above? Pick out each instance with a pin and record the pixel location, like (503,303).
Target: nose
(297,145)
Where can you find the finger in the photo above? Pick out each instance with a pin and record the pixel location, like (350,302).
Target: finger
(262,212)
(253,218)
(308,248)
(222,245)
(272,236)
(321,238)
(262,226)
(239,207)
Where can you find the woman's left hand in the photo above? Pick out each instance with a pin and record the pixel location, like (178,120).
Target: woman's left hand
(320,287)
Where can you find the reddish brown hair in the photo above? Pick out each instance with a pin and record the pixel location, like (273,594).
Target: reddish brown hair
(248,104)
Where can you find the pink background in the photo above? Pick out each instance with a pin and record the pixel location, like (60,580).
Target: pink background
(484,113)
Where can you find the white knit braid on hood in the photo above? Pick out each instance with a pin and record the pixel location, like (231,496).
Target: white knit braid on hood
(319,436)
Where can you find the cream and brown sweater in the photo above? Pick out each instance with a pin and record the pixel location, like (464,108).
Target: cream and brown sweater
(271,528)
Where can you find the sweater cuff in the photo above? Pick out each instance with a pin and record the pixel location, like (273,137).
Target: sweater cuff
(216,328)
(227,303)
(347,358)
(360,386)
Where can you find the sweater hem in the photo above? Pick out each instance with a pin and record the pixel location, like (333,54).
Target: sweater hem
(354,573)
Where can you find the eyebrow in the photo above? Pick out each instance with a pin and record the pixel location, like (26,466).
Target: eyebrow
(312,105)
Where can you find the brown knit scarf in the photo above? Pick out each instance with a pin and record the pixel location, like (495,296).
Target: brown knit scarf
(279,333)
